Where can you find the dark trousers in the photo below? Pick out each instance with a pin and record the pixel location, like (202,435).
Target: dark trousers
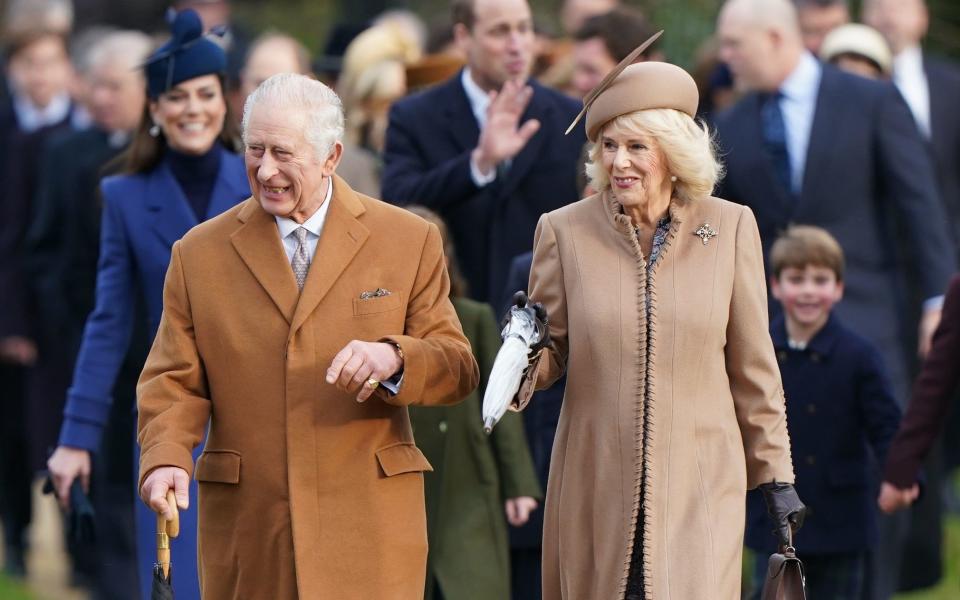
(828,576)
(526,576)
(15,477)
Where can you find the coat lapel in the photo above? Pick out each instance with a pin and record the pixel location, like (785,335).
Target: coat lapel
(461,123)
(826,127)
(258,243)
(342,237)
(172,214)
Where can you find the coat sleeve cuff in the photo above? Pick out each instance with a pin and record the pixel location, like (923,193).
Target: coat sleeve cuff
(164,455)
(84,435)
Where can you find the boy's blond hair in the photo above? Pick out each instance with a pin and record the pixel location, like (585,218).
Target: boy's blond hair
(804,245)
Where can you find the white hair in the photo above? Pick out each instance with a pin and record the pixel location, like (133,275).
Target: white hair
(127,48)
(321,105)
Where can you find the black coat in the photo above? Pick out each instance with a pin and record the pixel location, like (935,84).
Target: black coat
(866,165)
(427,161)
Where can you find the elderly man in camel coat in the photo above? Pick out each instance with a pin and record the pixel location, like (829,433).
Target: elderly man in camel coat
(300,325)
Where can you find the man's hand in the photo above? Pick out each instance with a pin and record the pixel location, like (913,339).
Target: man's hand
(892,498)
(65,465)
(928,324)
(503,137)
(360,362)
(155,486)
(18,350)
(518,509)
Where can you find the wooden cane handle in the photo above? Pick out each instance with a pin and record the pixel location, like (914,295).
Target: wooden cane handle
(173,525)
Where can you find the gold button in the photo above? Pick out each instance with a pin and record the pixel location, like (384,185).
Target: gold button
(811,460)
(443,427)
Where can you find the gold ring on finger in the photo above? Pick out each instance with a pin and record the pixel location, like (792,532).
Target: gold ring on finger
(373,383)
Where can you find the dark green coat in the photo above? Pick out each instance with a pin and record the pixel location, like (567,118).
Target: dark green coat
(473,475)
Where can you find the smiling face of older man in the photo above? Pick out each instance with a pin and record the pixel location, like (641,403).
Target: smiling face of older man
(291,133)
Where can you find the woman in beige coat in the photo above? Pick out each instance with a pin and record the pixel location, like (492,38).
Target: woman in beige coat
(658,313)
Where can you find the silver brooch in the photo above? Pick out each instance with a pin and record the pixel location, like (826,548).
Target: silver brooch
(705,233)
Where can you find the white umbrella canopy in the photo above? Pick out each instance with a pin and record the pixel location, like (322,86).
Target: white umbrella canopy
(521,332)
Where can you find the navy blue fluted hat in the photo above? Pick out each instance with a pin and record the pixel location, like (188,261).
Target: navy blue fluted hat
(188,54)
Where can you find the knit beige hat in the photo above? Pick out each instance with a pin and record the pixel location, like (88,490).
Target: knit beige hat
(631,87)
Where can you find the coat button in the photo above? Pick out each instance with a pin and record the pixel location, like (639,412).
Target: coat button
(812,408)
(443,427)
(811,460)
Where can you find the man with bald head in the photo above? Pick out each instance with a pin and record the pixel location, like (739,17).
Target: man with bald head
(812,145)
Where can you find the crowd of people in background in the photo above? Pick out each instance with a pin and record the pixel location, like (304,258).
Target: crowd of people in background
(839,131)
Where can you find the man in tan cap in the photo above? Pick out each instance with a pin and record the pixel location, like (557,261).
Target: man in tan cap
(813,145)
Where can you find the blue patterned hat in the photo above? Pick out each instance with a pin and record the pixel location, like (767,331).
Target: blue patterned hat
(188,54)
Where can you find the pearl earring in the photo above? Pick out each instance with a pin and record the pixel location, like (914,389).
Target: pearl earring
(673,178)
(155,130)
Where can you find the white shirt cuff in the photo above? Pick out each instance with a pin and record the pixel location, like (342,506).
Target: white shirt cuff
(935,303)
(479,179)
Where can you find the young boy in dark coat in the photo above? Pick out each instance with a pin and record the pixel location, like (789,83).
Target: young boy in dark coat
(841,415)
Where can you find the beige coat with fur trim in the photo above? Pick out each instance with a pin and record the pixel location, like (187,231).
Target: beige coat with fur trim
(713,422)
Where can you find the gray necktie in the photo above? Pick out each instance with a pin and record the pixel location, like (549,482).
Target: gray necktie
(301,257)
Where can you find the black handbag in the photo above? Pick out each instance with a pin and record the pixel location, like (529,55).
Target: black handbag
(785,577)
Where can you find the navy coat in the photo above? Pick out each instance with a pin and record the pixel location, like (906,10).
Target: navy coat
(943,79)
(842,418)
(427,161)
(143,215)
(866,165)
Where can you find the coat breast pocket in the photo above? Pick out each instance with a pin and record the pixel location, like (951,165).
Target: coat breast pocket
(363,307)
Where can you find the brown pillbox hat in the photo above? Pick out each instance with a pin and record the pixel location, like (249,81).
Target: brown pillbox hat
(643,86)
(631,87)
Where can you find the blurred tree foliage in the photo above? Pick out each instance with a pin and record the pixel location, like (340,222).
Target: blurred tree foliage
(688,23)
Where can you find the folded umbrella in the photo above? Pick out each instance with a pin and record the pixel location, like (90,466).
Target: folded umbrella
(521,332)
(162,588)
(81,516)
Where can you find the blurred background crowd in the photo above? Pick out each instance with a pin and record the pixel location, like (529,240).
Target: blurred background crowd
(73,98)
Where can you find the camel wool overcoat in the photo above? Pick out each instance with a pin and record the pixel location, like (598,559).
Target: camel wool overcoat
(673,398)
(304,492)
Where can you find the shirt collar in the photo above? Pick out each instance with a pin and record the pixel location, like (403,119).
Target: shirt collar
(30,117)
(804,81)
(909,61)
(314,224)
(822,343)
(479,100)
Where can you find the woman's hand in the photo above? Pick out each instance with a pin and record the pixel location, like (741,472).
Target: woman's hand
(785,509)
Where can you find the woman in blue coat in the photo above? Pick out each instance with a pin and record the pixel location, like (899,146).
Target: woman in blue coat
(180,171)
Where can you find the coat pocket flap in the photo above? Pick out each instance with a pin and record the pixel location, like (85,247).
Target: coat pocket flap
(402,458)
(218,466)
(373,306)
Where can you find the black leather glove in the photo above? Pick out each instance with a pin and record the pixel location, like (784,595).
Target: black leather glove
(81,528)
(784,508)
(520,300)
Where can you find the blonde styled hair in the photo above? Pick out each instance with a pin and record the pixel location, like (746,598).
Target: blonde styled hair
(687,147)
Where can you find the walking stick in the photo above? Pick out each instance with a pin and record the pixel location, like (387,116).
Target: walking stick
(166,530)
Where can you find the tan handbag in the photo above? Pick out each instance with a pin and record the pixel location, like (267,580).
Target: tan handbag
(785,576)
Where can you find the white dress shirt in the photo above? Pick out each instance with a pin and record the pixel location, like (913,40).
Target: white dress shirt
(911,80)
(313,225)
(479,103)
(798,103)
(31,118)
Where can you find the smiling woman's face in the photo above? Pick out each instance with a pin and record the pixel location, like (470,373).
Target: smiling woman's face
(634,163)
(191,114)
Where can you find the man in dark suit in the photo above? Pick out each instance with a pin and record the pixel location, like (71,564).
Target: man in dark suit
(931,88)
(812,145)
(485,149)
